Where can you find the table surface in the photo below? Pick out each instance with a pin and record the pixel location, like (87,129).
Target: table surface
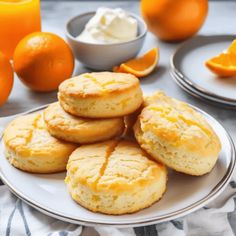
(221,20)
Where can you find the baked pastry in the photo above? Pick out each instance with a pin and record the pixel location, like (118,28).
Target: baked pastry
(30,147)
(101,95)
(176,135)
(71,128)
(153,98)
(114,177)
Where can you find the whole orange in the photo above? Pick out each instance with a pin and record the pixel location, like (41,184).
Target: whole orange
(174,20)
(6,78)
(42,61)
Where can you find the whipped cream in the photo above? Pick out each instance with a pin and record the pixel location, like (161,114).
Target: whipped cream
(109,26)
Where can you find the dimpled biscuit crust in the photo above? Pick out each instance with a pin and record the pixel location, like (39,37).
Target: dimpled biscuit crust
(114,177)
(176,135)
(31,148)
(80,130)
(101,95)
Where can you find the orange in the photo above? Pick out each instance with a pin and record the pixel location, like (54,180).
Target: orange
(6,78)
(141,66)
(42,61)
(174,20)
(223,65)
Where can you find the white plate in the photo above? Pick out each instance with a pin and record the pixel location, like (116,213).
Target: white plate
(188,62)
(184,195)
(195,93)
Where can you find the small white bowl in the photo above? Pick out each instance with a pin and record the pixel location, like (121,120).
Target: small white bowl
(102,56)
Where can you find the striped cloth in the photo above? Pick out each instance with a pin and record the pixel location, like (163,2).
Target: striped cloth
(216,219)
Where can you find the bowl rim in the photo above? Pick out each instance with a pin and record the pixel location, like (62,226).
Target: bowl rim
(71,37)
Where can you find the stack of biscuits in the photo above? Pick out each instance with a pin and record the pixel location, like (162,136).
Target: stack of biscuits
(86,132)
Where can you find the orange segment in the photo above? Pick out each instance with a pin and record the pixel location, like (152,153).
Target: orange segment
(232,47)
(223,65)
(141,66)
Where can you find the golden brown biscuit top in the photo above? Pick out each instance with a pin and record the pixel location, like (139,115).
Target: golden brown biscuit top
(112,165)
(156,96)
(98,84)
(27,135)
(176,123)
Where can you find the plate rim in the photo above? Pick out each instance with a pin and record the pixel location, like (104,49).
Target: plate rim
(204,97)
(217,189)
(186,79)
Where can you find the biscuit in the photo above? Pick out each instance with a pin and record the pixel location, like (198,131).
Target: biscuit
(114,177)
(71,128)
(176,135)
(153,98)
(30,147)
(101,95)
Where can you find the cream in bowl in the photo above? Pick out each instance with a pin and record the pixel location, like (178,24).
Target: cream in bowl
(105,38)
(109,26)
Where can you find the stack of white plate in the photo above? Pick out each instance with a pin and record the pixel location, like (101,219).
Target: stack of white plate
(190,73)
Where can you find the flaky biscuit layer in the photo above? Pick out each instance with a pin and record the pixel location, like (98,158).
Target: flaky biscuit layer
(176,135)
(31,148)
(101,95)
(80,130)
(114,177)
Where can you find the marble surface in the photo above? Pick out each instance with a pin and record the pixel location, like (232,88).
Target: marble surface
(221,19)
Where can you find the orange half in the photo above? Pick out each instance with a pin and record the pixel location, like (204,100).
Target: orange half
(141,66)
(223,65)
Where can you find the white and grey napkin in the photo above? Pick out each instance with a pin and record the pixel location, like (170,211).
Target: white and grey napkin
(216,219)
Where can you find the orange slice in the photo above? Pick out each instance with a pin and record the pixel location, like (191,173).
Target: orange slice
(232,47)
(223,65)
(141,66)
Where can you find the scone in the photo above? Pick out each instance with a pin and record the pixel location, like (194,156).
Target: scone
(177,136)
(153,98)
(31,148)
(114,177)
(101,95)
(71,128)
